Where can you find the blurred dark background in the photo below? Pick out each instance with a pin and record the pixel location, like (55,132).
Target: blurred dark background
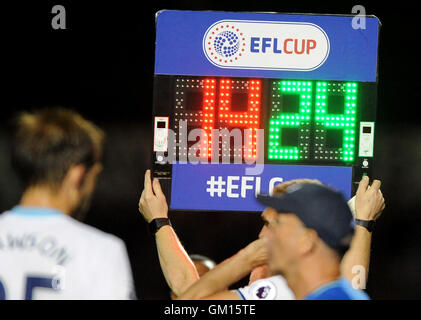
(102,66)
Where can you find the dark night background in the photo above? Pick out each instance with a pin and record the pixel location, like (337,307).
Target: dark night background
(102,65)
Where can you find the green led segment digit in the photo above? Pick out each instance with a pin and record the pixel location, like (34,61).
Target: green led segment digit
(290,113)
(335,114)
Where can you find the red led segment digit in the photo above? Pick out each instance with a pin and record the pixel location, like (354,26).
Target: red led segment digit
(246,114)
(208,120)
(238,104)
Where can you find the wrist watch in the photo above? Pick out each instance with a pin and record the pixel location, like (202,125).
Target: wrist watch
(157,223)
(368,224)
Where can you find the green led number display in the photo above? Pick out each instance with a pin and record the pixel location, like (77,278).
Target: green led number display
(289,125)
(335,110)
(292,119)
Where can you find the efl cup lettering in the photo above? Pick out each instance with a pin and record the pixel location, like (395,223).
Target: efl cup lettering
(290,45)
(299,46)
(264,43)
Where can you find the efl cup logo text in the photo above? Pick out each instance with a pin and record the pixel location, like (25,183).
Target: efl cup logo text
(266,45)
(287,46)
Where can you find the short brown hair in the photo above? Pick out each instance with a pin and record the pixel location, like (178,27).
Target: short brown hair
(49,141)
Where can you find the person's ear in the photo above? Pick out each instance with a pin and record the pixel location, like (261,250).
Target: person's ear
(75,176)
(308,241)
(91,176)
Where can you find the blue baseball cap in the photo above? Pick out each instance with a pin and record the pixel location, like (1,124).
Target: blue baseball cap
(320,208)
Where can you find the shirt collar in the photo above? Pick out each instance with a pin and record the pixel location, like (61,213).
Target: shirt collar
(324,287)
(36,211)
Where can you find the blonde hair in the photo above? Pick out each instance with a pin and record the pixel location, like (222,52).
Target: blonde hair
(280,189)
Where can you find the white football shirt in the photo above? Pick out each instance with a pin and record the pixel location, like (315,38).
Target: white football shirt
(45,254)
(273,288)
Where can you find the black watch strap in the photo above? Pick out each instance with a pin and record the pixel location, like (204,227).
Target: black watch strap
(368,224)
(157,223)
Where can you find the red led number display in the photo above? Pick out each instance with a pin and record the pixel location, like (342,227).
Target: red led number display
(210,103)
(239,105)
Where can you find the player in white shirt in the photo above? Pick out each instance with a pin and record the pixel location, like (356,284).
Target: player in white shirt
(47,255)
(44,252)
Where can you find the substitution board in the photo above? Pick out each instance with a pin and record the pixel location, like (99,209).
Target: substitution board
(243,101)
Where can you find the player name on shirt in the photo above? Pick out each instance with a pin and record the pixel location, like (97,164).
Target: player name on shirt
(44,245)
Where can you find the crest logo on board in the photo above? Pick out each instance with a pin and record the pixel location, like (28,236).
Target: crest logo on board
(225,43)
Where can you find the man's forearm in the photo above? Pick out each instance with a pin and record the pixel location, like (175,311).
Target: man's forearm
(220,278)
(178,269)
(357,258)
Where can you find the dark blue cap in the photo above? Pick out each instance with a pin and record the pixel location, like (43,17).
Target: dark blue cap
(320,208)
